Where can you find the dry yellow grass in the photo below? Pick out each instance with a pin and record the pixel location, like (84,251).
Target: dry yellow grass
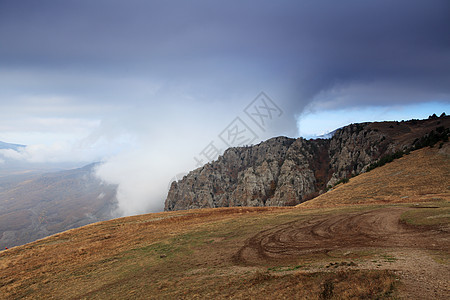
(171,255)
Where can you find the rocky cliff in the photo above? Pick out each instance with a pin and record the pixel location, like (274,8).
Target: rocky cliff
(285,171)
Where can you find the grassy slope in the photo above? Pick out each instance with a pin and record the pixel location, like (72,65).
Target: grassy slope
(189,254)
(179,256)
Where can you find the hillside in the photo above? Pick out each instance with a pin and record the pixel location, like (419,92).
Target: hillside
(423,175)
(357,250)
(33,206)
(285,171)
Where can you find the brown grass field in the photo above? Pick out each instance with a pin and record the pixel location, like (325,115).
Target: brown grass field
(383,235)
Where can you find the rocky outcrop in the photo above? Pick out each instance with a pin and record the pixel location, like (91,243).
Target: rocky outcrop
(285,171)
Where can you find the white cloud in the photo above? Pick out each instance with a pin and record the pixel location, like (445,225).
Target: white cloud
(80,150)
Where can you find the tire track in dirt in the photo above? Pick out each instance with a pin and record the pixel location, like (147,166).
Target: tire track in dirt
(377,228)
(423,278)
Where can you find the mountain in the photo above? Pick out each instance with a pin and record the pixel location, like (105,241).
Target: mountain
(285,171)
(33,206)
(421,176)
(382,235)
(328,135)
(16,147)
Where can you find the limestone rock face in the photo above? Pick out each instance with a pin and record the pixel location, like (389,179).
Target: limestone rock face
(285,171)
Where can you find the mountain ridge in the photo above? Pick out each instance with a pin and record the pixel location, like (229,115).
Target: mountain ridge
(286,171)
(16,147)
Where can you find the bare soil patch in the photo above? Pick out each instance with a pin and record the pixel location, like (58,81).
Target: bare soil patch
(376,228)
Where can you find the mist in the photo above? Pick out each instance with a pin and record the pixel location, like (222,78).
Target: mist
(167,147)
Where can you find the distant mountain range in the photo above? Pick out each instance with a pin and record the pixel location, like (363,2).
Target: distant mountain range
(40,199)
(328,135)
(35,205)
(16,147)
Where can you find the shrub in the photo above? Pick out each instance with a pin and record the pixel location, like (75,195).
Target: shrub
(385,159)
(343,181)
(430,139)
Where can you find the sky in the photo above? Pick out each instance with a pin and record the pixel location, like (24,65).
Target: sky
(154,89)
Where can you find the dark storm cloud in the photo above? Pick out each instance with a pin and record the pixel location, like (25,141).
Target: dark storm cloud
(310,46)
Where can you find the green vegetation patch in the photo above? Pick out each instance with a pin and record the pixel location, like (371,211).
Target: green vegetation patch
(440,256)
(389,258)
(179,245)
(428,215)
(286,269)
(386,159)
(343,181)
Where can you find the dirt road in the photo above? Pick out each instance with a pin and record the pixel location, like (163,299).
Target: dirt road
(422,276)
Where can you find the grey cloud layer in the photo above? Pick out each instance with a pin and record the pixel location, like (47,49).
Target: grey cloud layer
(307,47)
